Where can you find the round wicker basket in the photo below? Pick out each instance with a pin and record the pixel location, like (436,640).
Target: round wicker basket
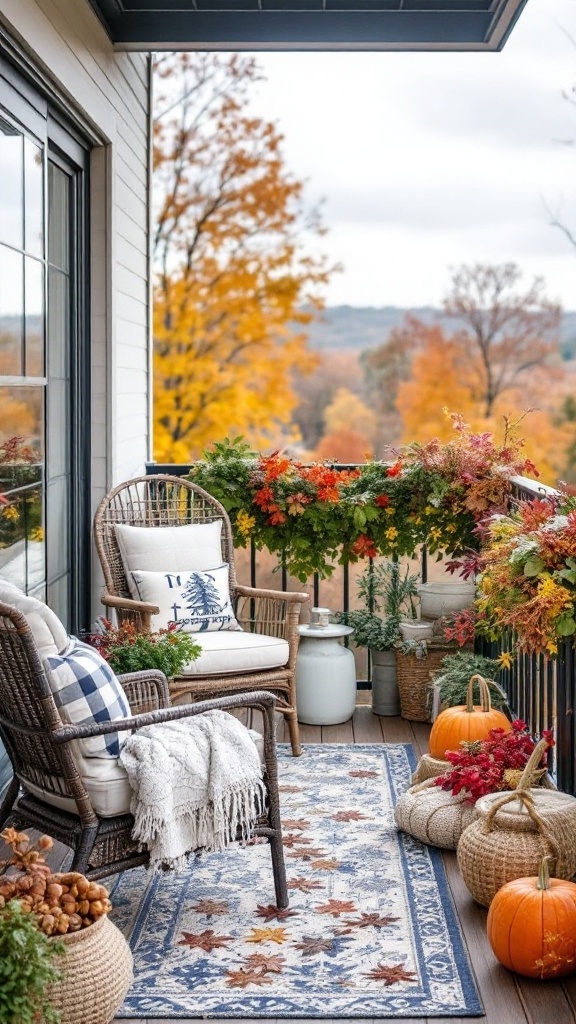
(414,681)
(513,832)
(433,816)
(97,973)
(429,767)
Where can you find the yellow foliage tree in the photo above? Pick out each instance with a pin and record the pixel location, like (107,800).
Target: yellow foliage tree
(233,284)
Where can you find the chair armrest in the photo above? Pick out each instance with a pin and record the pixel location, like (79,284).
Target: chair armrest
(259,699)
(287,596)
(128,610)
(146,691)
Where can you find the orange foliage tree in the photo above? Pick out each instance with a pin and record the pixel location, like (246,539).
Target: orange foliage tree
(233,284)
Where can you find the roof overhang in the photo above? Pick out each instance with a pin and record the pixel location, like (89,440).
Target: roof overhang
(309,24)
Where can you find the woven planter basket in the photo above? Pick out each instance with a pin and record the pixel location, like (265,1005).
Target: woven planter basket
(514,831)
(414,681)
(97,969)
(433,816)
(429,767)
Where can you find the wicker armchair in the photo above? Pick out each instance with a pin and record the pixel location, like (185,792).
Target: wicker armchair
(40,749)
(172,501)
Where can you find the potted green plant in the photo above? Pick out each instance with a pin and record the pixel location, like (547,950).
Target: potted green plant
(450,681)
(389,593)
(128,650)
(28,967)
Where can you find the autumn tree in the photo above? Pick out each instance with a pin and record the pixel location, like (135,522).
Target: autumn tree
(316,391)
(350,427)
(437,381)
(385,368)
(505,332)
(233,284)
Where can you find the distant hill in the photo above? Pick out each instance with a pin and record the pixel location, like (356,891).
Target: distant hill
(360,327)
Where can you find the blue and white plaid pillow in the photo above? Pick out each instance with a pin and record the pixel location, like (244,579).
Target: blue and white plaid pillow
(85,690)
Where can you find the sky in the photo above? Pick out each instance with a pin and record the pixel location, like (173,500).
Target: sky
(425,161)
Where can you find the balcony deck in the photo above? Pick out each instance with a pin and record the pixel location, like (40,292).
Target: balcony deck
(507,998)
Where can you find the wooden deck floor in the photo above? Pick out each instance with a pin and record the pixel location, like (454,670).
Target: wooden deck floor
(507,998)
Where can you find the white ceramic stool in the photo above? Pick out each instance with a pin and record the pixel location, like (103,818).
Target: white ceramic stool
(325,676)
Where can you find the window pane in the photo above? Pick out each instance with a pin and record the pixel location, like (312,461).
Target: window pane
(22,548)
(33,199)
(34,292)
(11,312)
(58,217)
(58,324)
(11,176)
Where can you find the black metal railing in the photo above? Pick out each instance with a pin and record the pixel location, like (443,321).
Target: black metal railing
(540,690)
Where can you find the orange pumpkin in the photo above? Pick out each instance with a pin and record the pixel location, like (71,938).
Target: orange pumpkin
(532,925)
(466,721)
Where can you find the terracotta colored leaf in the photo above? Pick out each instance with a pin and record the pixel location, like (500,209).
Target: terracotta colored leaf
(242,978)
(336,907)
(362,773)
(390,974)
(292,840)
(325,865)
(298,823)
(273,964)
(289,789)
(271,913)
(307,854)
(206,940)
(305,884)
(349,816)
(267,935)
(311,945)
(376,920)
(210,907)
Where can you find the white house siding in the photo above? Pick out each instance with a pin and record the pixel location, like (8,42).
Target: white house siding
(110,91)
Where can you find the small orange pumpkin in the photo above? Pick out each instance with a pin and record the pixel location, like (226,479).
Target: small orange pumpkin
(532,925)
(466,721)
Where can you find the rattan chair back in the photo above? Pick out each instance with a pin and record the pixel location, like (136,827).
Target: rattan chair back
(159,500)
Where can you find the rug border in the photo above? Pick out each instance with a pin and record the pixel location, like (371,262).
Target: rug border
(468,982)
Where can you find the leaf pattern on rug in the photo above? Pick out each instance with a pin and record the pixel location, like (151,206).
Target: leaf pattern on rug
(391,974)
(206,940)
(267,935)
(210,907)
(369,932)
(272,913)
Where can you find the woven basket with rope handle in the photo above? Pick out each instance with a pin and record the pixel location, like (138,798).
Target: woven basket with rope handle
(432,815)
(514,831)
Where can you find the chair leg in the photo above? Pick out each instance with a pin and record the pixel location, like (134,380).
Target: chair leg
(84,848)
(294,731)
(8,801)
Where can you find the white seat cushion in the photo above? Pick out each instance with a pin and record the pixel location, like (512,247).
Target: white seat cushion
(107,784)
(231,651)
(49,634)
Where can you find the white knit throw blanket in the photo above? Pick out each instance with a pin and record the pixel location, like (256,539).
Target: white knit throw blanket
(194,782)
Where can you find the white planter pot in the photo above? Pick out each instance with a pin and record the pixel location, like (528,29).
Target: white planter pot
(385,696)
(437,599)
(415,629)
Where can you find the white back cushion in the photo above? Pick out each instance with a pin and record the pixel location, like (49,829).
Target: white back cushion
(196,546)
(49,634)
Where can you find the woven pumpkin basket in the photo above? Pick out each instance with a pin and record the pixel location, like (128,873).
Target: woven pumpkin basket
(433,816)
(97,973)
(514,831)
(429,767)
(413,676)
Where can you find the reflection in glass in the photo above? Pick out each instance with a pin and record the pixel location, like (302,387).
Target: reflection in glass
(34,320)
(22,547)
(58,323)
(11,177)
(11,312)
(33,199)
(58,218)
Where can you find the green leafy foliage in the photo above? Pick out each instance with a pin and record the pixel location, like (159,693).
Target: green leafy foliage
(389,594)
(28,966)
(455,674)
(127,650)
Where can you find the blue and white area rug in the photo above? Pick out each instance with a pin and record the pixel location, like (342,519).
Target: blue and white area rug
(371,929)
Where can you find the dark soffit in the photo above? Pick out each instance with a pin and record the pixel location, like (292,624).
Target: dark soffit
(308,24)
